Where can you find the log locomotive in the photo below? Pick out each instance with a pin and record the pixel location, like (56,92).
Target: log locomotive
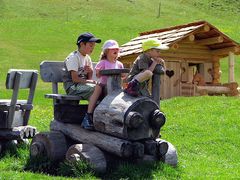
(126,128)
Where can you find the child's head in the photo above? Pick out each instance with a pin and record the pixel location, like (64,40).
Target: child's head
(153,46)
(86,42)
(110,50)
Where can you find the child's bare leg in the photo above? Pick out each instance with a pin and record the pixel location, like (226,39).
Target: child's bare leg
(93,99)
(143,76)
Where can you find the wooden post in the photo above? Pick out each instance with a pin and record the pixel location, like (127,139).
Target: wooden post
(231,67)
(113,83)
(159,69)
(114,79)
(216,70)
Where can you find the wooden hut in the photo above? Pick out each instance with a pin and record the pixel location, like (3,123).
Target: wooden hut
(198,46)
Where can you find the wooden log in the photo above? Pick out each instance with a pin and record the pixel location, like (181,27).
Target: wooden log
(213,89)
(146,159)
(110,116)
(134,120)
(225,51)
(162,147)
(150,147)
(192,46)
(191,51)
(174,46)
(88,153)
(138,150)
(231,61)
(233,85)
(191,37)
(188,55)
(171,156)
(51,144)
(110,144)
(208,41)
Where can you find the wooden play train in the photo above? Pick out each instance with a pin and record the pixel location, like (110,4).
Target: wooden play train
(126,128)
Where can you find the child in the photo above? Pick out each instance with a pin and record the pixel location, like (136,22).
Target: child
(108,60)
(143,67)
(77,77)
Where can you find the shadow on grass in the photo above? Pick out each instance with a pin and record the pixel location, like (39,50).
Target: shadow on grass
(154,170)
(13,149)
(81,169)
(65,168)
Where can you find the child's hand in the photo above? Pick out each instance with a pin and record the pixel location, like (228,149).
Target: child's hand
(159,61)
(88,69)
(90,81)
(124,75)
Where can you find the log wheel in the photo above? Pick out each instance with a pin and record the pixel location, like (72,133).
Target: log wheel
(88,153)
(51,144)
(170,157)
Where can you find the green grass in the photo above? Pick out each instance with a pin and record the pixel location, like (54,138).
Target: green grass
(203,129)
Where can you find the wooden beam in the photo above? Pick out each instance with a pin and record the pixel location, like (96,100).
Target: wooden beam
(187,55)
(191,51)
(225,51)
(192,46)
(208,41)
(213,89)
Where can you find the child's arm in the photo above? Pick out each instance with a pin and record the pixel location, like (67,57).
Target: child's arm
(77,79)
(98,75)
(155,62)
(89,71)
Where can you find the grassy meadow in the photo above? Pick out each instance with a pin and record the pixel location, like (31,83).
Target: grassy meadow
(203,129)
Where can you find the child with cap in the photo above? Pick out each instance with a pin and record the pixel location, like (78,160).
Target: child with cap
(143,66)
(108,60)
(77,77)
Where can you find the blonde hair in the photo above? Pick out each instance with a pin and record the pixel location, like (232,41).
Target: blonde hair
(103,54)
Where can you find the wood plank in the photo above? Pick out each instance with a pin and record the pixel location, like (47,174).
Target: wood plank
(52,71)
(25,78)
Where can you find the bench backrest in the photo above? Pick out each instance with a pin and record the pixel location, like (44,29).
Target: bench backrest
(20,79)
(23,77)
(52,71)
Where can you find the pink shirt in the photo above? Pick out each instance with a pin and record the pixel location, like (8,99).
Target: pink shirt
(105,64)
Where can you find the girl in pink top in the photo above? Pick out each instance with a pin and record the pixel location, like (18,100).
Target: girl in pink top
(108,60)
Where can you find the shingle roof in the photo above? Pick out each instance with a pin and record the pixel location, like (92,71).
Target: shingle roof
(200,30)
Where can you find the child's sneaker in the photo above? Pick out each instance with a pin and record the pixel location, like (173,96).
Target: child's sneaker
(87,122)
(132,88)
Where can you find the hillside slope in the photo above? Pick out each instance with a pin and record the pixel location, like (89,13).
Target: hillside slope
(31,31)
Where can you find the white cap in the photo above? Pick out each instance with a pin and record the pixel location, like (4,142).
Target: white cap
(110,44)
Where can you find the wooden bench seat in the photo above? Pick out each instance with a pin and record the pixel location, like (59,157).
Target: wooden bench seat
(14,112)
(66,107)
(52,71)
